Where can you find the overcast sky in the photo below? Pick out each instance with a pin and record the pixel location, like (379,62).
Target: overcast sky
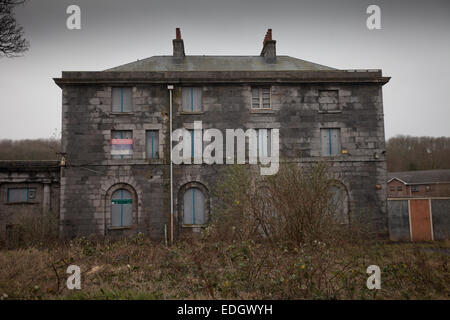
(413,47)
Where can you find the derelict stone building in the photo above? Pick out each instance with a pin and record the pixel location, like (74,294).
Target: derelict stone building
(28,190)
(116,135)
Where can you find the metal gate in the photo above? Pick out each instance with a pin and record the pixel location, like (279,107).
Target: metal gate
(419,219)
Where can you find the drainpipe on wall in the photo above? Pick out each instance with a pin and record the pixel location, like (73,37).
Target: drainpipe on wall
(170,87)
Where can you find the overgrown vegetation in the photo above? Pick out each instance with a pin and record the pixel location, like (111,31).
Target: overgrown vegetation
(293,207)
(28,230)
(252,250)
(140,269)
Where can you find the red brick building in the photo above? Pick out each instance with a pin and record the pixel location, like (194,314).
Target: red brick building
(424,183)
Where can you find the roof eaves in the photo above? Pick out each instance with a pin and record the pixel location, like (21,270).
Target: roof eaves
(395,178)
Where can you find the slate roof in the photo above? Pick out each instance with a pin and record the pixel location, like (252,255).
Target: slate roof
(219,63)
(28,165)
(421,176)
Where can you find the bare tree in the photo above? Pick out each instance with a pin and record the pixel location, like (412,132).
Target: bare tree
(12,41)
(406,153)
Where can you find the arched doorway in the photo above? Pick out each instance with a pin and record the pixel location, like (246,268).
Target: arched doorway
(121,208)
(194,207)
(339,203)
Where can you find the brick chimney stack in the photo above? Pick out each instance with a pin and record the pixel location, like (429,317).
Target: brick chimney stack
(269,49)
(178,45)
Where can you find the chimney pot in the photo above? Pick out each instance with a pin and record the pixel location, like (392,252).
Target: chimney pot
(178,45)
(269,48)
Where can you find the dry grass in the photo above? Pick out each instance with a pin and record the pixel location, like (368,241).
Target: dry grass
(282,243)
(140,269)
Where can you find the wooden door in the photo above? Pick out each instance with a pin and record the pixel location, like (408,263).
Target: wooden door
(421,229)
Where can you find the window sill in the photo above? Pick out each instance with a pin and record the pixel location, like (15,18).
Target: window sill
(193,112)
(332,157)
(330,111)
(338,156)
(194,225)
(122,113)
(155,160)
(262,111)
(120,228)
(120,161)
(21,202)
(125,162)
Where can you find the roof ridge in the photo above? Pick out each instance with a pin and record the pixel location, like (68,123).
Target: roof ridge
(220,63)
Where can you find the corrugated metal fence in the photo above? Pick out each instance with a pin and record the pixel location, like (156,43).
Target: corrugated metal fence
(419,219)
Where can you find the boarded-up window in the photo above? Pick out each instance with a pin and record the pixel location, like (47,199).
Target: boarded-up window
(339,204)
(196,142)
(21,194)
(152,144)
(329,100)
(121,208)
(264,142)
(192,99)
(261,98)
(121,144)
(122,100)
(330,140)
(194,206)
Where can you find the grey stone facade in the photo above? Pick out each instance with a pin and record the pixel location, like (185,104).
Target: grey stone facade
(304,98)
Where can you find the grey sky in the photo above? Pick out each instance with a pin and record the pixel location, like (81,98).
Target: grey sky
(413,48)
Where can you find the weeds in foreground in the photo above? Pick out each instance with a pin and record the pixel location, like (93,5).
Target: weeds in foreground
(131,269)
(276,240)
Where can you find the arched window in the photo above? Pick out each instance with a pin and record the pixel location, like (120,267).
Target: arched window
(121,208)
(339,203)
(194,207)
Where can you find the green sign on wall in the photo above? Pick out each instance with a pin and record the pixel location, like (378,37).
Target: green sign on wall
(121,201)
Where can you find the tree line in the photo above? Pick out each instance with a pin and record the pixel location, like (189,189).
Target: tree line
(408,153)
(403,153)
(30,149)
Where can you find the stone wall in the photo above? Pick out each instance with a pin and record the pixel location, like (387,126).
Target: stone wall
(91,175)
(41,176)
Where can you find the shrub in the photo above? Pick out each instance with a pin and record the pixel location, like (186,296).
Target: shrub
(29,230)
(296,206)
